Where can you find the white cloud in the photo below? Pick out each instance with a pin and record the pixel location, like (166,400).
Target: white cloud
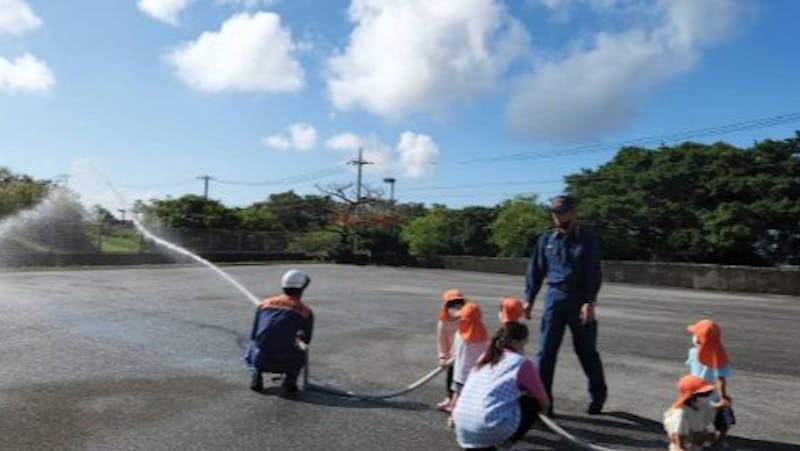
(414,157)
(248,4)
(300,136)
(417,154)
(375,151)
(597,89)
(409,56)
(250,52)
(17,17)
(164,10)
(344,141)
(26,73)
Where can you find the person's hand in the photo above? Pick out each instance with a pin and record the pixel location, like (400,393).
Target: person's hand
(587,313)
(724,403)
(528,309)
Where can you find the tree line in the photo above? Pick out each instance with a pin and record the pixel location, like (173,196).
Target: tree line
(707,203)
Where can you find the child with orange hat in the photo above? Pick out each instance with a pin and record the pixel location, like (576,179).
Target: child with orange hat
(690,420)
(471,342)
(709,360)
(511,310)
(446,328)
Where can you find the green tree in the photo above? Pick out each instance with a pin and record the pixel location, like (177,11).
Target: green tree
(189,212)
(519,221)
(431,235)
(20,192)
(694,202)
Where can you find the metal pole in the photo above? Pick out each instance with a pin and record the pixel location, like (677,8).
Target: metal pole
(206,178)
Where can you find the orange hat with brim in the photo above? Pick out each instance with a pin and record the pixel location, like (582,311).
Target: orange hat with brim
(511,310)
(447,296)
(690,385)
(710,351)
(470,326)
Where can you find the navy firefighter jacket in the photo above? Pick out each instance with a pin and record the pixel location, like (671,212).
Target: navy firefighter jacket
(569,262)
(279,322)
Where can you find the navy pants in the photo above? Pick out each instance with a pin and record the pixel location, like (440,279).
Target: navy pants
(561,310)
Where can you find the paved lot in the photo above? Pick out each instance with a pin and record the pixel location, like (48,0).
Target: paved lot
(151,359)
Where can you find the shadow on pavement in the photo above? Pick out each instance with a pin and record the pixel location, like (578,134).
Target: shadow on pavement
(628,431)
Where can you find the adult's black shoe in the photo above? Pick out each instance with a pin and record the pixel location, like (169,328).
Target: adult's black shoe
(595,408)
(257,383)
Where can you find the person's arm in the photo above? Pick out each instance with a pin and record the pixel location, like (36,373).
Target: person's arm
(722,390)
(537,268)
(529,381)
(444,342)
(255,325)
(593,276)
(308,328)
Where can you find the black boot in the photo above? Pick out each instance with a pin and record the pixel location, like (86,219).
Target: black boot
(257,382)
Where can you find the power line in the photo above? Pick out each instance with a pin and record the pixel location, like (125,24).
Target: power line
(305,177)
(752,124)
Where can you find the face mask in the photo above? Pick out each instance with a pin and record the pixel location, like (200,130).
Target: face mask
(453,312)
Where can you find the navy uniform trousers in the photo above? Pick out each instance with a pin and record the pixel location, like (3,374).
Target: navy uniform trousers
(561,310)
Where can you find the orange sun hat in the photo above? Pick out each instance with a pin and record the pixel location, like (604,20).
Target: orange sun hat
(691,385)
(449,295)
(470,326)
(710,351)
(511,310)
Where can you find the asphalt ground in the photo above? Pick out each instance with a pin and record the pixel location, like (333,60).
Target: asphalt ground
(151,359)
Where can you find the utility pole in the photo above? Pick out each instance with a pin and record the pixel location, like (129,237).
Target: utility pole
(122,213)
(360,163)
(390,181)
(205,178)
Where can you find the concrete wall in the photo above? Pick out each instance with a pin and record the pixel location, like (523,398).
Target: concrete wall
(687,275)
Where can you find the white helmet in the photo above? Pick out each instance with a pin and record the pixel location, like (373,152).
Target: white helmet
(295,278)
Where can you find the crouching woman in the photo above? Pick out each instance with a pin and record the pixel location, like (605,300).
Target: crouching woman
(502,396)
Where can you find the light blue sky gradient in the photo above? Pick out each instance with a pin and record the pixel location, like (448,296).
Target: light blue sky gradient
(117,104)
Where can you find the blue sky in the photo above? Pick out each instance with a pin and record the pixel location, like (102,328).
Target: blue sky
(151,94)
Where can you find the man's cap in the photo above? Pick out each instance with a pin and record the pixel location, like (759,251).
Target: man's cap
(562,203)
(294,278)
(690,385)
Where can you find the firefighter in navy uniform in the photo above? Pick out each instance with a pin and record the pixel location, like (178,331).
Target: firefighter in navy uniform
(567,258)
(282,330)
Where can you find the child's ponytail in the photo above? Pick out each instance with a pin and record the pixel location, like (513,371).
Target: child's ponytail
(500,340)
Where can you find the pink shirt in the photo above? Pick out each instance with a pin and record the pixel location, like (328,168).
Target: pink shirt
(528,380)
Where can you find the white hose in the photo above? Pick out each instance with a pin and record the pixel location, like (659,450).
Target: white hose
(553,426)
(376,396)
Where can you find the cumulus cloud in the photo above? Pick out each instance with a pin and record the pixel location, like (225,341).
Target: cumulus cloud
(413,157)
(300,136)
(26,73)
(164,10)
(416,154)
(17,17)
(599,88)
(250,52)
(421,55)
(249,4)
(374,150)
